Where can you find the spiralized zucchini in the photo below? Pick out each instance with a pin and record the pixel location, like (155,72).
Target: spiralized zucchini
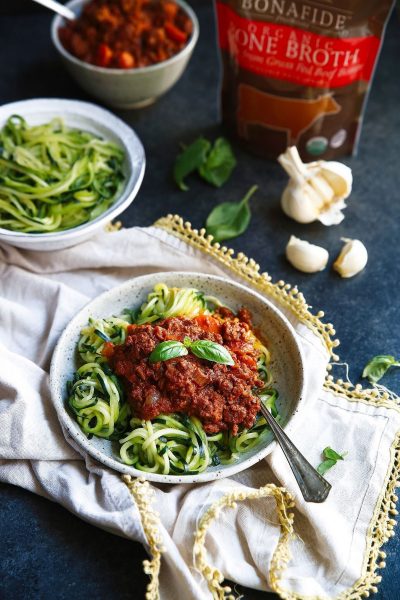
(166,302)
(97,333)
(168,444)
(96,397)
(54,178)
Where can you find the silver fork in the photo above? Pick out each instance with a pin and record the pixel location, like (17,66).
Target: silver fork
(312,485)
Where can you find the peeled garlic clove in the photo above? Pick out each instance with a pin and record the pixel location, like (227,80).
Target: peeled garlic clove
(298,204)
(352,258)
(339,177)
(306,257)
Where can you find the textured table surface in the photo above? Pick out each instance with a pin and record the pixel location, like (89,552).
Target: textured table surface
(45,552)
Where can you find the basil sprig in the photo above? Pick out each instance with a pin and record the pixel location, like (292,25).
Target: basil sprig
(190,159)
(214,163)
(167,350)
(205,349)
(230,219)
(331,457)
(376,368)
(219,164)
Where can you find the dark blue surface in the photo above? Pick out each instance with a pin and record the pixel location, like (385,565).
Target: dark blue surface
(45,552)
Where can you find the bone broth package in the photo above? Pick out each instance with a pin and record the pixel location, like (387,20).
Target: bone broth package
(298,72)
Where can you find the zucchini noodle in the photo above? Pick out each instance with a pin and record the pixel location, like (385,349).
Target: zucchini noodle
(168,444)
(54,178)
(166,302)
(97,333)
(95,396)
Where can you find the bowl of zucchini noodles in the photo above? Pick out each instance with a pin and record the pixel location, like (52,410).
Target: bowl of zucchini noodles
(67,169)
(163,377)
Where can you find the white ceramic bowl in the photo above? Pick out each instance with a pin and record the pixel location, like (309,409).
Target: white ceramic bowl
(88,117)
(287,363)
(126,88)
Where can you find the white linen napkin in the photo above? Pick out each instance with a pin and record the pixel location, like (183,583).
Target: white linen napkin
(336,550)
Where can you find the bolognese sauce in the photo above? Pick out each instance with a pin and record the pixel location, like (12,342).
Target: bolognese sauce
(221,396)
(127,34)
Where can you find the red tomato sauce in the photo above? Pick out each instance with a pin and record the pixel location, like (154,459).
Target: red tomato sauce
(126,34)
(221,396)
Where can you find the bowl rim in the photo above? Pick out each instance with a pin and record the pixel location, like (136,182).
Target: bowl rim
(70,429)
(132,184)
(58,20)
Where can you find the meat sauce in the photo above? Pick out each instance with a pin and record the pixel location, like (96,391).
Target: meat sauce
(126,34)
(221,396)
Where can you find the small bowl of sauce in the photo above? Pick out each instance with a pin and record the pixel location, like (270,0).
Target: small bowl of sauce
(126,53)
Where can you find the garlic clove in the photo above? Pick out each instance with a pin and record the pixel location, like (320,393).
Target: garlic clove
(323,189)
(333,214)
(298,204)
(306,257)
(339,177)
(352,258)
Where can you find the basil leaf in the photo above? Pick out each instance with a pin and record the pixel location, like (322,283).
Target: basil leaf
(167,350)
(331,454)
(325,466)
(211,351)
(230,219)
(190,160)
(376,368)
(330,459)
(219,164)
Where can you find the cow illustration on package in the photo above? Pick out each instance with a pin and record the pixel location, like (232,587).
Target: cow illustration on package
(292,115)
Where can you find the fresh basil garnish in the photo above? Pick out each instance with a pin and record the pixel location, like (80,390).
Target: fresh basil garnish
(230,219)
(376,368)
(331,457)
(213,163)
(167,350)
(190,159)
(212,351)
(205,349)
(219,164)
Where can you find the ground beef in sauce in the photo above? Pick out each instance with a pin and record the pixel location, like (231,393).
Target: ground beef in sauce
(125,34)
(220,396)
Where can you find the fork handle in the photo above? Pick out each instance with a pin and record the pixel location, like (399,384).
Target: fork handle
(313,486)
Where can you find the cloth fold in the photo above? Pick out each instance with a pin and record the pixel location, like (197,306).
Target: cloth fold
(337,544)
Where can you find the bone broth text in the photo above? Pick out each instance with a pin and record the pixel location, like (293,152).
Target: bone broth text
(297,73)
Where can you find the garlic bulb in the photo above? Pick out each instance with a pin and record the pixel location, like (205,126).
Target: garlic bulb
(306,257)
(352,258)
(316,191)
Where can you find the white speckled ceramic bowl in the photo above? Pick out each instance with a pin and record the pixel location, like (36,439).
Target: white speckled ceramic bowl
(287,364)
(126,88)
(88,117)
